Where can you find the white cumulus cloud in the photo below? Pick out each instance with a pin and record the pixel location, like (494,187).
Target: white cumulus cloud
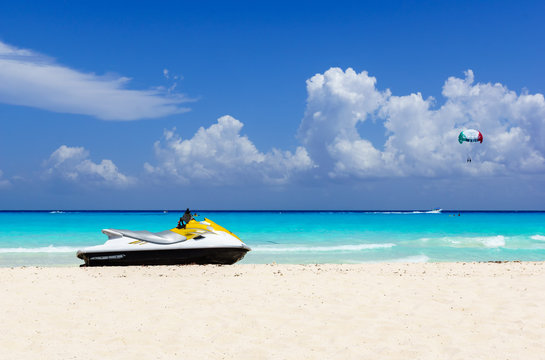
(421,140)
(219,154)
(73,164)
(336,102)
(30,79)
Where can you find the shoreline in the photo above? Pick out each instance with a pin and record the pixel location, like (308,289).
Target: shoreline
(386,263)
(484,310)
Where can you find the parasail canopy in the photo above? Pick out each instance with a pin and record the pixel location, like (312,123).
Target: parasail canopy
(470,135)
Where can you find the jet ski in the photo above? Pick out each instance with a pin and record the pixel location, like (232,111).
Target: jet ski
(198,242)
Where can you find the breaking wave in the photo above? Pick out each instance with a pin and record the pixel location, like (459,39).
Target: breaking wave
(538,237)
(44,249)
(476,241)
(322,248)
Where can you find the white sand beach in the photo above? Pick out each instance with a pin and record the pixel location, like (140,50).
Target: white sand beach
(368,311)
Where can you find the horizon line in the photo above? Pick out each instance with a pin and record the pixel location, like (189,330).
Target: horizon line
(273,210)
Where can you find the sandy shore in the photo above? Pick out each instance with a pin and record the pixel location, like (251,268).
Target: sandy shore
(379,311)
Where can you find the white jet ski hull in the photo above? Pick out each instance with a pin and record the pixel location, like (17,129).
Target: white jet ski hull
(202,242)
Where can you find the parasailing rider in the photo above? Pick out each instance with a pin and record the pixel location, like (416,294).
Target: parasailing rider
(470,136)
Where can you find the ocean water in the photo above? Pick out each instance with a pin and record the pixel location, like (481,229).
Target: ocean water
(52,238)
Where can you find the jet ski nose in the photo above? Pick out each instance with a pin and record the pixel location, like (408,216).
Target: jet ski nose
(244,246)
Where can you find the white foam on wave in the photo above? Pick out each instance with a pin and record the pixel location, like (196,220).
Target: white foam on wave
(493,241)
(538,237)
(408,259)
(323,248)
(474,241)
(44,249)
(411,259)
(56,212)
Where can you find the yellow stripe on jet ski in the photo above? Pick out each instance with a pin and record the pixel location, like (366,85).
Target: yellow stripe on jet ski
(138,242)
(194,228)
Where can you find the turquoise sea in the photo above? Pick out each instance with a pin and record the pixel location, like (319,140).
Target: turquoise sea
(51,238)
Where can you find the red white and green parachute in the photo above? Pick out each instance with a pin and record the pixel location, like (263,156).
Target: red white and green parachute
(470,135)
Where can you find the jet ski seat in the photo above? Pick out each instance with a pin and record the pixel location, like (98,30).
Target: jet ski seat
(163,237)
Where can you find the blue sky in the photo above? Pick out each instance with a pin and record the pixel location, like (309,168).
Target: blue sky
(271,105)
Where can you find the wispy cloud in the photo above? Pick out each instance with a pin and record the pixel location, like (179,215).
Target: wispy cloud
(3,182)
(30,79)
(73,164)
